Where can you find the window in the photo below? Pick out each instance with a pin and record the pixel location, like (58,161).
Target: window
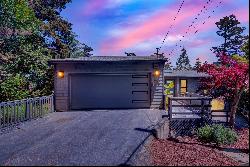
(183,86)
(169,88)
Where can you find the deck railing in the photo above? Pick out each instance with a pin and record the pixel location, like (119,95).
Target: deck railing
(14,112)
(189,107)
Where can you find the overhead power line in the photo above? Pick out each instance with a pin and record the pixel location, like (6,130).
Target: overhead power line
(171,26)
(192,24)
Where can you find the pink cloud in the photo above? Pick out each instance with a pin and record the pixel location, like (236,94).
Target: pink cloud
(159,23)
(241,15)
(155,25)
(196,43)
(94,6)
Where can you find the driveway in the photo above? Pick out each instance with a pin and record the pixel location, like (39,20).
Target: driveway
(107,137)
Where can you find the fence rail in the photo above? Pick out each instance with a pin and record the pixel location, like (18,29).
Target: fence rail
(186,107)
(14,112)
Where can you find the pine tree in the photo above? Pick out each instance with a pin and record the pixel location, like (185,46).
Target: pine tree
(168,65)
(79,49)
(56,31)
(183,62)
(197,64)
(230,30)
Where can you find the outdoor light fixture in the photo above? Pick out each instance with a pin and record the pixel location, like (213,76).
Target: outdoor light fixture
(157,73)
(60,74)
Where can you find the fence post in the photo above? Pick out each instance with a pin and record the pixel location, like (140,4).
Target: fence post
(53,102)
(202,107)
(1,115)
(26,110)
(170,108)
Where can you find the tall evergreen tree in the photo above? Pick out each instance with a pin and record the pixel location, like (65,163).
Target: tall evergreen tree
(183,62)
(31,33)
(56,31)
(168,65)
(230,29)
(79,49)
(197,64)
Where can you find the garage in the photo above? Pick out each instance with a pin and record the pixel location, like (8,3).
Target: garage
(108,82)
(105,91)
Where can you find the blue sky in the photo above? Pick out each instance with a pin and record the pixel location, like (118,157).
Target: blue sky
(112,27)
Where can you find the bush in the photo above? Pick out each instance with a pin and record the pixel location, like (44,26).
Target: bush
(218,134)
(14,88)
(205,133)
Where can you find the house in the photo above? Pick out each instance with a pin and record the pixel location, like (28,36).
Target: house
(108,82)
(183,81)
(186,82)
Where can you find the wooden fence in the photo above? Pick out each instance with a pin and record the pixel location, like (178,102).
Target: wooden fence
(189,107)
(188,113)
(14,112)
(219,116)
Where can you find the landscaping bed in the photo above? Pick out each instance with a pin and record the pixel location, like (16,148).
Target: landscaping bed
(189,151)
(243,141)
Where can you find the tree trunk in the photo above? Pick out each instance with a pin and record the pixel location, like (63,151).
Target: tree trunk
(233,110)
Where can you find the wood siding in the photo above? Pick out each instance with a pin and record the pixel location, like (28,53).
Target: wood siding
(62,84)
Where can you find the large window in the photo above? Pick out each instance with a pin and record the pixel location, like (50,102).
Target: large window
(183,86)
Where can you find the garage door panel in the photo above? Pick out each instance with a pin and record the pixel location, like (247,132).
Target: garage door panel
(109,91)
(140,95)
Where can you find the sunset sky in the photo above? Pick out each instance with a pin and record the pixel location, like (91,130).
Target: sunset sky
(112,27)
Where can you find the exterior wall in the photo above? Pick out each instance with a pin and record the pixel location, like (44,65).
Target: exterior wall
(192,84)
(62,85)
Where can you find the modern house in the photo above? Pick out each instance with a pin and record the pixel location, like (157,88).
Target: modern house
(183,81)
(108,82)
(186,82)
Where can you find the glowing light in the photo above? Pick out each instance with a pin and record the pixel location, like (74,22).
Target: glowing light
(60,74)
(157,73)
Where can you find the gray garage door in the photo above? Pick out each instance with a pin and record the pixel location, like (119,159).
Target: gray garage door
(106,91)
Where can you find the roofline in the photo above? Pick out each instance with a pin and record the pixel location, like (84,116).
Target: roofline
(67,61)
(199,74)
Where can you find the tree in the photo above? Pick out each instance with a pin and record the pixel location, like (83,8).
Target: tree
(229,79)
(56,32)
(183,62)
(14,87)
(245,49)
(31,33)
(168,64)
(18,25)
(79,49)
(197,64)
(230,30)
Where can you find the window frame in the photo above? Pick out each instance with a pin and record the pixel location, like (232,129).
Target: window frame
(183,87)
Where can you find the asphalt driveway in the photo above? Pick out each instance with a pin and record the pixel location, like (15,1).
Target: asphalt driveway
(108,137)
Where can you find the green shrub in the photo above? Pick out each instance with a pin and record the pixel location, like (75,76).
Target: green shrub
(205,133)
(218,134)
(14,88)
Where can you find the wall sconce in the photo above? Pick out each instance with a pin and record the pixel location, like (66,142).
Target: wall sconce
(157,73)
(60,74)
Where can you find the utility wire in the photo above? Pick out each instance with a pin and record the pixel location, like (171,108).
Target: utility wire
(192,25)
(171,26)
